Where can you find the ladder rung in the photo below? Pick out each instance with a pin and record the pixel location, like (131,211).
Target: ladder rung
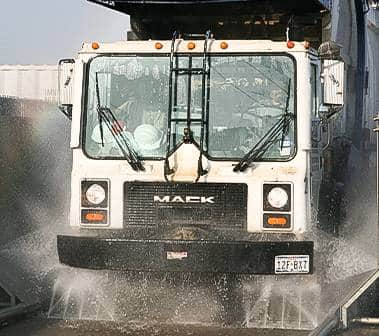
(190,70)
(193,35)
(185,120)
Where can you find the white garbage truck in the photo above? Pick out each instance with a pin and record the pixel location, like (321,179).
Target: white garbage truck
(198,142)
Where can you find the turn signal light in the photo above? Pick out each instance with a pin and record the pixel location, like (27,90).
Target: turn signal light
(94,217)
(290,44)
(95,45)
(277,221)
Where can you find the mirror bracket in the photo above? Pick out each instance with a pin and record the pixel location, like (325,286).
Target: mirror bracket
(66,109)
(65,85)
(326,112)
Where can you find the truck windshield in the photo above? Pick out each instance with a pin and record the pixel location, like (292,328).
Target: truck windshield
(248,94)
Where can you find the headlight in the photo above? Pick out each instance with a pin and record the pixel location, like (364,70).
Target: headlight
(277,197)
(95,194)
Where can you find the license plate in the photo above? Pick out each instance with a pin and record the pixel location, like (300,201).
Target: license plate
(176,255)
(291,264)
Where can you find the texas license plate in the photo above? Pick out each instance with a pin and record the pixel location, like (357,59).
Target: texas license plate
(291,264)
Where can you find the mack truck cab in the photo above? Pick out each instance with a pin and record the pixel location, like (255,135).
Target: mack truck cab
(199,152)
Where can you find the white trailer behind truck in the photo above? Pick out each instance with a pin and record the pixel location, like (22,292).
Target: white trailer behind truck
(35,82)
(27,91)
(200,149)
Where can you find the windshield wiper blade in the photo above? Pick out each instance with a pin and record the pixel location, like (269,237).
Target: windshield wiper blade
(285,128)
(268,139)
(99,115)
(264,143)
(105,115)
(125,146)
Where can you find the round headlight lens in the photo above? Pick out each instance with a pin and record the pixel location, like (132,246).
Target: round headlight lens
(95,194)
(277,197)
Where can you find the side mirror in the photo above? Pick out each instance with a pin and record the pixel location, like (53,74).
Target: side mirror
(333,76)
(65,86)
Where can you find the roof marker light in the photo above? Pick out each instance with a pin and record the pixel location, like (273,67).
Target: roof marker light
(224,45)
(95,45)
(191,45)
(158,45)
(290,44)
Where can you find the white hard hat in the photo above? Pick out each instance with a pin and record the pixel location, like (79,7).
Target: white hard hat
(148,137)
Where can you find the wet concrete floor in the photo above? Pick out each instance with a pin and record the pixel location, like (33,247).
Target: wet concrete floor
(51,327)
(45,327)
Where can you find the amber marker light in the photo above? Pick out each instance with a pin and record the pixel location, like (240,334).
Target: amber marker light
(95,45)
(290,44)
(277,221)
(158,45)
(94,217)
(224,45)
(191,45)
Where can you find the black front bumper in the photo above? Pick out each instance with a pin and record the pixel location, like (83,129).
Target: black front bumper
(158,255)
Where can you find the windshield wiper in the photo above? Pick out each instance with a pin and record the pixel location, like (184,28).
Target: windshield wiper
(281,127)
(106,116)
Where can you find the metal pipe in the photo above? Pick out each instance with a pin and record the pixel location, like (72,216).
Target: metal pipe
(376,130)
(360,76)
(325,329)
(329,135)
(366,320)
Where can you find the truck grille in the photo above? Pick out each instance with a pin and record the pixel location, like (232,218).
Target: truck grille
(215,205)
